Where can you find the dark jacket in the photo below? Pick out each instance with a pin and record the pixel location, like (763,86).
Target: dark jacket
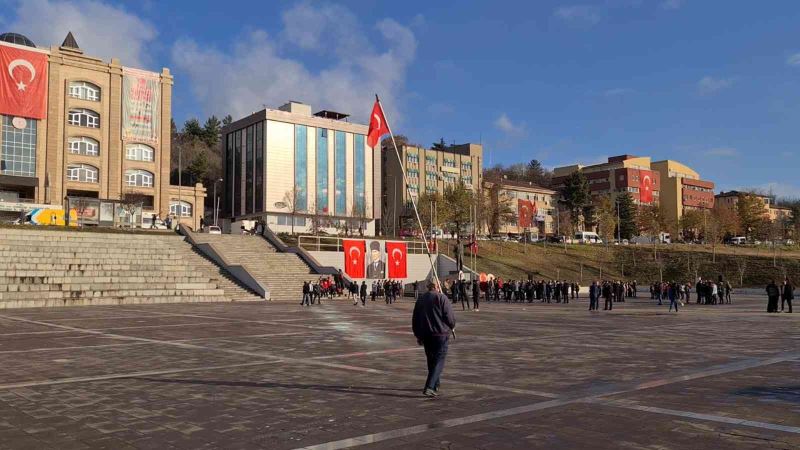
(772,290)
(788,292)
(433,316)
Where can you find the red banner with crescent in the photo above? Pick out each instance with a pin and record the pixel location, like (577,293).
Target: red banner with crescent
(396,259)
(354,251)
(23,83)
(525,213)
(645,186)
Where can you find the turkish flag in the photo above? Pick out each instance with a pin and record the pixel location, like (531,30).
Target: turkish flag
(396,253)
(524,212)
(645,186)
(354,251)
(23,83)
(377,125)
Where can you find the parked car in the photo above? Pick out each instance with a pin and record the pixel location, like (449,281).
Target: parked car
(555,239)
(738,240)
(587,237)
(214,230)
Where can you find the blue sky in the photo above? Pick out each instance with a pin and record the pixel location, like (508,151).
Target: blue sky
(713,84)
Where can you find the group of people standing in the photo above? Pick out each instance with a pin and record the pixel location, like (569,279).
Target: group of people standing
(610,291)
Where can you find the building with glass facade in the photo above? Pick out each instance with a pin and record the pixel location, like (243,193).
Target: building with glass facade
(299,170)
(104,134)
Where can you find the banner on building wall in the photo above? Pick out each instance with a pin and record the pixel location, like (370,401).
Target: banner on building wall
(645,186)
(23,83)
(141,93)
(376,265)
(396,253)
(354,253)
(525,213)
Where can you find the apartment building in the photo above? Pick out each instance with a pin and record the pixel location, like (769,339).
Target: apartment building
(533,206)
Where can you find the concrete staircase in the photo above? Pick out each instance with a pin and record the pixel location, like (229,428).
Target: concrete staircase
(69,268)
(282,273)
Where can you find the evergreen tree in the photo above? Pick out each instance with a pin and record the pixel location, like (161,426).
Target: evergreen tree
(575,196)
(211,131)
(227,120)
(192,128)
(627,216)
(751,211)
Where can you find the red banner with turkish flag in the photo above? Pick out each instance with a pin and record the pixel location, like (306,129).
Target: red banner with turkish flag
(396,253)
(377,125)
(525,213)
(23,83)
(645,186)
(354,252)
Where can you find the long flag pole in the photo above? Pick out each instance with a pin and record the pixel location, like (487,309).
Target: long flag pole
(413,199)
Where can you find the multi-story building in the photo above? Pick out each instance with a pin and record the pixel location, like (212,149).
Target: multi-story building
(773,212)
(533,207)
(682,190)
(75,127)
(673,186)
(299,170)
(428,170)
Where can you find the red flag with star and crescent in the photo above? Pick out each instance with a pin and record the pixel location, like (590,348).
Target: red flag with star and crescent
(646,186)
(354,252)
(396,253)
(377,125)
(23,83)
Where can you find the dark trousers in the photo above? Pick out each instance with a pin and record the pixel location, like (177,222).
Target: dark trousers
(363,299)
(772,304)
(592,303)
(476,299)
(789,303)
(609,303)
(435,352)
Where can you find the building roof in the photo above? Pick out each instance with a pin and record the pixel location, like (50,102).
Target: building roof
(738,193)
(16,38)
(331,115)
(527,185)
(70,42)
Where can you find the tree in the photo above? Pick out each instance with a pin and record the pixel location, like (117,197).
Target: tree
(192,128)
(691,224)
(359,213)
(606,215)
(427,205)
(718,224)
(455,208)
(627,216)
(439,145)
(291,199)
(227,120)
(198,168)
(211,131)
(498,209)
(750,209)
(537,174)
(575,196)
(131,201)
(651,222)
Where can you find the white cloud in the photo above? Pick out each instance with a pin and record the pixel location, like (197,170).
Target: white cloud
(727,152)
(101,29)
(578,14)
(504,124)
(671,4)
(787,154)
(710,85)
(256,70)
(793,59)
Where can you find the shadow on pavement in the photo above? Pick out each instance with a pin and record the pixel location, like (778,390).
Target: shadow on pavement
(784,393)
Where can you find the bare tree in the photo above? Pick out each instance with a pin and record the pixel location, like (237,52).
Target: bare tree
(131,201)
(293,201)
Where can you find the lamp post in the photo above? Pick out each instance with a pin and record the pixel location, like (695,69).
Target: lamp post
(216,203)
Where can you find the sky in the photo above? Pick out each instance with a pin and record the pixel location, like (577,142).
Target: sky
(713,84)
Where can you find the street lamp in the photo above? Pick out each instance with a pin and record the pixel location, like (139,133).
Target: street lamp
(216,202)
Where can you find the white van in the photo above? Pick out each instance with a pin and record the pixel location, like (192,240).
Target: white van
(740,240)
(587,237)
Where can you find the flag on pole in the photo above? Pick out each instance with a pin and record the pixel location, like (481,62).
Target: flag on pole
(377,125)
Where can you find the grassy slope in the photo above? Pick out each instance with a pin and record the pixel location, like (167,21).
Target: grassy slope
(743,266)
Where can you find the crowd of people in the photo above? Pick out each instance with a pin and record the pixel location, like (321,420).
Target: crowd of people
(336,286)
(784,292)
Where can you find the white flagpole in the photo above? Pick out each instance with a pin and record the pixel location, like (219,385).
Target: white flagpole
(413,199)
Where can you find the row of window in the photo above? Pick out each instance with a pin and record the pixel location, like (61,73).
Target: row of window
(87,146)
(86,173)
(84,91)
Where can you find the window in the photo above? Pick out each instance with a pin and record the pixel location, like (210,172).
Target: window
(84,91)
(82,172)
(84,118)
(136,177)
(184,207)
(287,221)
(18,151)
(139,152)
(84,146)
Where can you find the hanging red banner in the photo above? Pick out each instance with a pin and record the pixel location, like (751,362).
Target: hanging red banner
(354,257)
(396,253)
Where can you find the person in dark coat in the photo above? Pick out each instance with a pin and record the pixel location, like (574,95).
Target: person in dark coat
(609,303)
(773,292)
(363,293)
(306,294)
(432,322)
(476,294)
(594,296)
(788,294)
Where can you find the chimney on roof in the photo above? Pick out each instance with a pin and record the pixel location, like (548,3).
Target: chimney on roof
(70,43)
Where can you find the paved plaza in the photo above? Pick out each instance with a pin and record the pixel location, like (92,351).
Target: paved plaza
(250,375)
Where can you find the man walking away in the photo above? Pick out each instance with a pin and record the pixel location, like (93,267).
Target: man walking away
(432,322)
(594,296)
(363,293)
(476,294)
(788,294)
(306,294)
(609,304)
(772,294)
(673,297)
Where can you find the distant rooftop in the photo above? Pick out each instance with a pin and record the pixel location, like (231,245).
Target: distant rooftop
(331,115)
(16,38)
